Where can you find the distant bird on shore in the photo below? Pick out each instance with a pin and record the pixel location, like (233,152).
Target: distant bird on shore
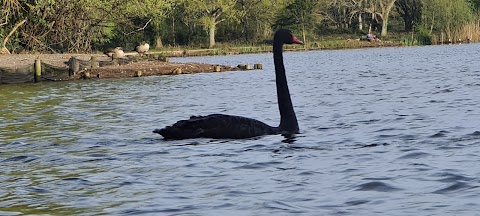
(118,51)
(142,48)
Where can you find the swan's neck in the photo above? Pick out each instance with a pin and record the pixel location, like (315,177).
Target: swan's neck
(288,120)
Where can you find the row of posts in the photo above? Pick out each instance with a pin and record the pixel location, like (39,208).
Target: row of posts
(249,67)
(74,67)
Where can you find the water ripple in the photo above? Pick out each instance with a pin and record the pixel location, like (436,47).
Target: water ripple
(377,186)
(21,158)
(455,188)
(394,136)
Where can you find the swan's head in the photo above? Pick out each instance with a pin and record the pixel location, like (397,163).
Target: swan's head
(286,36)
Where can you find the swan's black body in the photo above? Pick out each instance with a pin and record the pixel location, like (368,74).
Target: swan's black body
(220,126)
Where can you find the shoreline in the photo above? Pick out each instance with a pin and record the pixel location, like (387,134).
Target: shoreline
(26,68)
(19,68)
(60,59)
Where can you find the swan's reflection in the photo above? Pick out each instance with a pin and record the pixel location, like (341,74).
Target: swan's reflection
(289,138)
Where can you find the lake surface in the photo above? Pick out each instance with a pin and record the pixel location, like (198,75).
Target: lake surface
(388,131)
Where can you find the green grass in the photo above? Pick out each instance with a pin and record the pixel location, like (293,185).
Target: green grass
(338,41)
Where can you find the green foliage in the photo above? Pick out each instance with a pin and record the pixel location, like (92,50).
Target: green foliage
(88,25)
(209,13)
(423,35)
(475,4)
(445,15)
(299,14)
(410,11)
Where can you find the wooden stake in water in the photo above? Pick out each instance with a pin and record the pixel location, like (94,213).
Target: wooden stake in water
(38,70)
(86,75)
(74,66)
(94,63)
(241,66)
(138,73)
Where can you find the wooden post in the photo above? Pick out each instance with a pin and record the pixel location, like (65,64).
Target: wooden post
(217,68)
(38,70)
(86,75)
(258,66)
(163,59)
(93,62)
(74,66)
(177,71)
(138,73)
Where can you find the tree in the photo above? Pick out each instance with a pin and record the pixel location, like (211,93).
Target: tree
(381,8)
(410,11)
(300,14)
(209,13)
(259,16)
(445,15)
(76,26)
(386,7)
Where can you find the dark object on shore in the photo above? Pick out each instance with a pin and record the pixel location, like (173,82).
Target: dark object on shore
(235,127)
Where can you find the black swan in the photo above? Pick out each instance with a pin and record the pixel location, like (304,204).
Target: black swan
(219,126)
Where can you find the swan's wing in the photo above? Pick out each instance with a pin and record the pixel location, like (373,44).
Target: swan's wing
(216,126)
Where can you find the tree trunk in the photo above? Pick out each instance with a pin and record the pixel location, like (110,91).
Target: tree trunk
(384,26)
(245,20)
(304,35)
(158,42)
(385,13)
(371,23)
(360,22)
(212,34)
(408,21)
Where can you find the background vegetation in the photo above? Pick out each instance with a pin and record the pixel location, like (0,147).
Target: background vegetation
(89,25)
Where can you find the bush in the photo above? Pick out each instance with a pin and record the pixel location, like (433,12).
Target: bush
(423,35)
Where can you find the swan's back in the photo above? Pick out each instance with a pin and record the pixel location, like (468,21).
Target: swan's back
(217,126)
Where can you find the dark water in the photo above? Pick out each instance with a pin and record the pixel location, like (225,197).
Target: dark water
(391,131)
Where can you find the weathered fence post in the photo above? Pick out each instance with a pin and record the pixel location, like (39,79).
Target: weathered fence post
(74,66)
(257,66)
(93,62)
(137,73)
(177,71)
(86,75)
(163,59)
(38,70)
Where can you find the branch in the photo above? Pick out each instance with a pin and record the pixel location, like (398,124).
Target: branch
(140,29)
(13,31)
(219,21)
(6,20)
(39,42)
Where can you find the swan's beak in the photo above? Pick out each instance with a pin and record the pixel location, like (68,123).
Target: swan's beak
(296,41)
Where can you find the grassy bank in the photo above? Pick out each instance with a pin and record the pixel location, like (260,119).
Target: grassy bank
(225,49)
(341,41)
